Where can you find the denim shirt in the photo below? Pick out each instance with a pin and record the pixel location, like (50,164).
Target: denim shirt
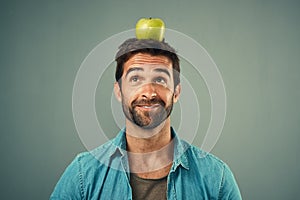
(103,173)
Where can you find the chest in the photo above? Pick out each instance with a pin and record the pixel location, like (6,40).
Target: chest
(151,189)
(177,185)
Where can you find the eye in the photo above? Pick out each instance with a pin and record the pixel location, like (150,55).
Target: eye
(134,79)
(160,80)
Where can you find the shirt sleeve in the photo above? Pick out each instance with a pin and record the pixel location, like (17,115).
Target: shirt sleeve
(70,184)
(229,189)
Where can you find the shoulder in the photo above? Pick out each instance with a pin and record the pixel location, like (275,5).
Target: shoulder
(206,163)
(97,156)
(86,171)
(200,156)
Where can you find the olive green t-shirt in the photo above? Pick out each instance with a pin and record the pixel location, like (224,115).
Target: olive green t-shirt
(148,189)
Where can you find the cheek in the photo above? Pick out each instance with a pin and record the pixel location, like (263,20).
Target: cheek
(128,96)
(166,95)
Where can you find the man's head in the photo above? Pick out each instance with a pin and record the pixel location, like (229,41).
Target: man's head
(147,81)
(133,46)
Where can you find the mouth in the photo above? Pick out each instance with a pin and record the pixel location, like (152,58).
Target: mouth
(148,107)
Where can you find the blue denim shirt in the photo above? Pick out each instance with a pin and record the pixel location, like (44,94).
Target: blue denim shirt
(104,174)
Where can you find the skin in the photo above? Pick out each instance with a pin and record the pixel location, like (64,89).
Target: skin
(148,93)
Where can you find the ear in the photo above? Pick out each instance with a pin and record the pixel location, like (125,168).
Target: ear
(177,93)
(117,91)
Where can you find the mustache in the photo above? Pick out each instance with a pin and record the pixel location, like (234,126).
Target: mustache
(148,102)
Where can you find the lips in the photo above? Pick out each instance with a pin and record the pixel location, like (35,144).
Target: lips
(147,106)
(148,103)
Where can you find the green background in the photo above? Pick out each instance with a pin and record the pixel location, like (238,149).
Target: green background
(254,43)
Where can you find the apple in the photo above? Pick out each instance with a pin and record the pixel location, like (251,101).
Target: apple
(150,28)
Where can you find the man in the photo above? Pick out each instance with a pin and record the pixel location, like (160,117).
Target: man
(147,160)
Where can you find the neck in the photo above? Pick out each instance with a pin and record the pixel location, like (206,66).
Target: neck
(150,151)
(141,140)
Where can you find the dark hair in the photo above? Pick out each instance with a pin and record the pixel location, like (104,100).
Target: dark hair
(153,47)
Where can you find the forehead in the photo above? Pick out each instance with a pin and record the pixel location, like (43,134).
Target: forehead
(140,59)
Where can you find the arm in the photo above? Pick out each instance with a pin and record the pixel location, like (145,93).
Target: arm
(229,188)
(70,185)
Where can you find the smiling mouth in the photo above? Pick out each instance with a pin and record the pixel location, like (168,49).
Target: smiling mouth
(148,107)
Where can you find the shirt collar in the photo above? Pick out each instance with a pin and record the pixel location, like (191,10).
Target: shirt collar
(180,155)
(117,147)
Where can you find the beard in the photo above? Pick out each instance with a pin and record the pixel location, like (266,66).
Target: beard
(148,119)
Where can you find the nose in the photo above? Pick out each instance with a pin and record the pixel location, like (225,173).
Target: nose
(148,91)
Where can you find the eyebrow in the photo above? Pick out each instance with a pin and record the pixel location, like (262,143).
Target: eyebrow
(141,69)
(163,71)
(133,69)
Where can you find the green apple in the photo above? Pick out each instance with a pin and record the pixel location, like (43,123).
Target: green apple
(150,28)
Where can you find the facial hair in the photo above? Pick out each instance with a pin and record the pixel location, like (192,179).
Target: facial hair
(148,119)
